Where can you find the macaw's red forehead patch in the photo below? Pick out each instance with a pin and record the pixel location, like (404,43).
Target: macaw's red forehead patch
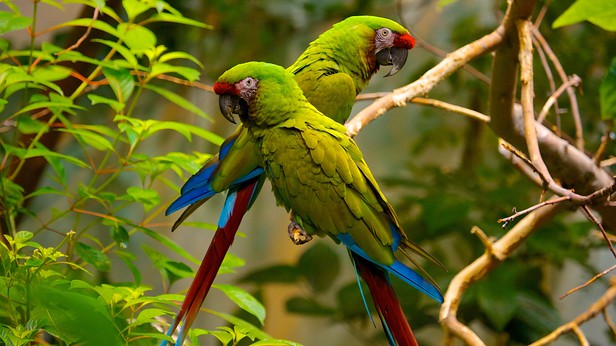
(404,41)
(222,88)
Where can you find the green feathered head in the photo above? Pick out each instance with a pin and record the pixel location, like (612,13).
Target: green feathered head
(360,44)
(253,89)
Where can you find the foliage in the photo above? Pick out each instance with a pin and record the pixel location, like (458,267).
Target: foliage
(103,190)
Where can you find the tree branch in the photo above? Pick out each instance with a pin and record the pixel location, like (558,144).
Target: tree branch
(596,308)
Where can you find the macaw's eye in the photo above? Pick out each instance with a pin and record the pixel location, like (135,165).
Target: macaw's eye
(249,82)
(385,32)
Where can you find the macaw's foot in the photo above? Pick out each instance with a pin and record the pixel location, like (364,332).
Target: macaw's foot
(297,234)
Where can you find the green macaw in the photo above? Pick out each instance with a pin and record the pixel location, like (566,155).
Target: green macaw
(331,72)
(318,171)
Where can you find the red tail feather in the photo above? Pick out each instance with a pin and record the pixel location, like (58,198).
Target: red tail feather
(386,302)
(223,238)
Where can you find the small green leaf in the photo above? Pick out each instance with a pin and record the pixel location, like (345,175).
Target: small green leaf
(134,8)
(138,38)
(599,12)
(120,235)
(607,93)
(245,327)
(96,24)
(27,125)
(178,100)
(125,52)
(91,138)
(121,82)
(148,197)
(114,104)
(275,342)
(173,18)
(93,256)
(11,21)
(179,55)
(171,245)
(244,300)
(129,260)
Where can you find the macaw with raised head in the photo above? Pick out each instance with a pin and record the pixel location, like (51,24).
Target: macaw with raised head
(331,72)
(317,171)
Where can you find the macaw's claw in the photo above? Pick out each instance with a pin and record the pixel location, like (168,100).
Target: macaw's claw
(297,234)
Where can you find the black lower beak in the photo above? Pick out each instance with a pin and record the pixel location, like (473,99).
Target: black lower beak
(232,105)
(394,56)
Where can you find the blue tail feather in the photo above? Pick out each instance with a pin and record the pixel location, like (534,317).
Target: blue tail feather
(398,268)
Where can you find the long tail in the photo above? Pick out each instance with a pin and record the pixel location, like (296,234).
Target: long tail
(392,317)
(237,203)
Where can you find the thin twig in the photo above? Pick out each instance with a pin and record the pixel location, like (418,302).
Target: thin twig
(596,308)
(593,219)
(605,140)
(593,279)
(608,321)
(549,75)
(525,57)
(506,220)
(575,112)
(83,37)
(573,81)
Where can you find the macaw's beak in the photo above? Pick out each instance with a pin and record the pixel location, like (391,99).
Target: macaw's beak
(394,56)
(231,105)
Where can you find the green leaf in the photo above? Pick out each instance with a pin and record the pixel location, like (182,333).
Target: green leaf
(173,18)
(93,256)
(178,100)
(120,235)
(607,93)
(91,138)
(129,259)
(244,300)
(47,104)
(305,306)
(27,125)
(51,72)
(134,8)
(148,197)
(121,82)
(75,317)
(114,104)
(148,316)
(23,153)
(188,73)
(245,327)
(179,55)
(96,24)
(171,245)
(275,342)
(125,52)
(138,38)
(11,21)
(320,266)
(599,12)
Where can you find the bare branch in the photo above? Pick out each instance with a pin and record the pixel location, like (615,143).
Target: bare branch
(575,112)
(596,308)
(594,278)
(429,80)
(573,81)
